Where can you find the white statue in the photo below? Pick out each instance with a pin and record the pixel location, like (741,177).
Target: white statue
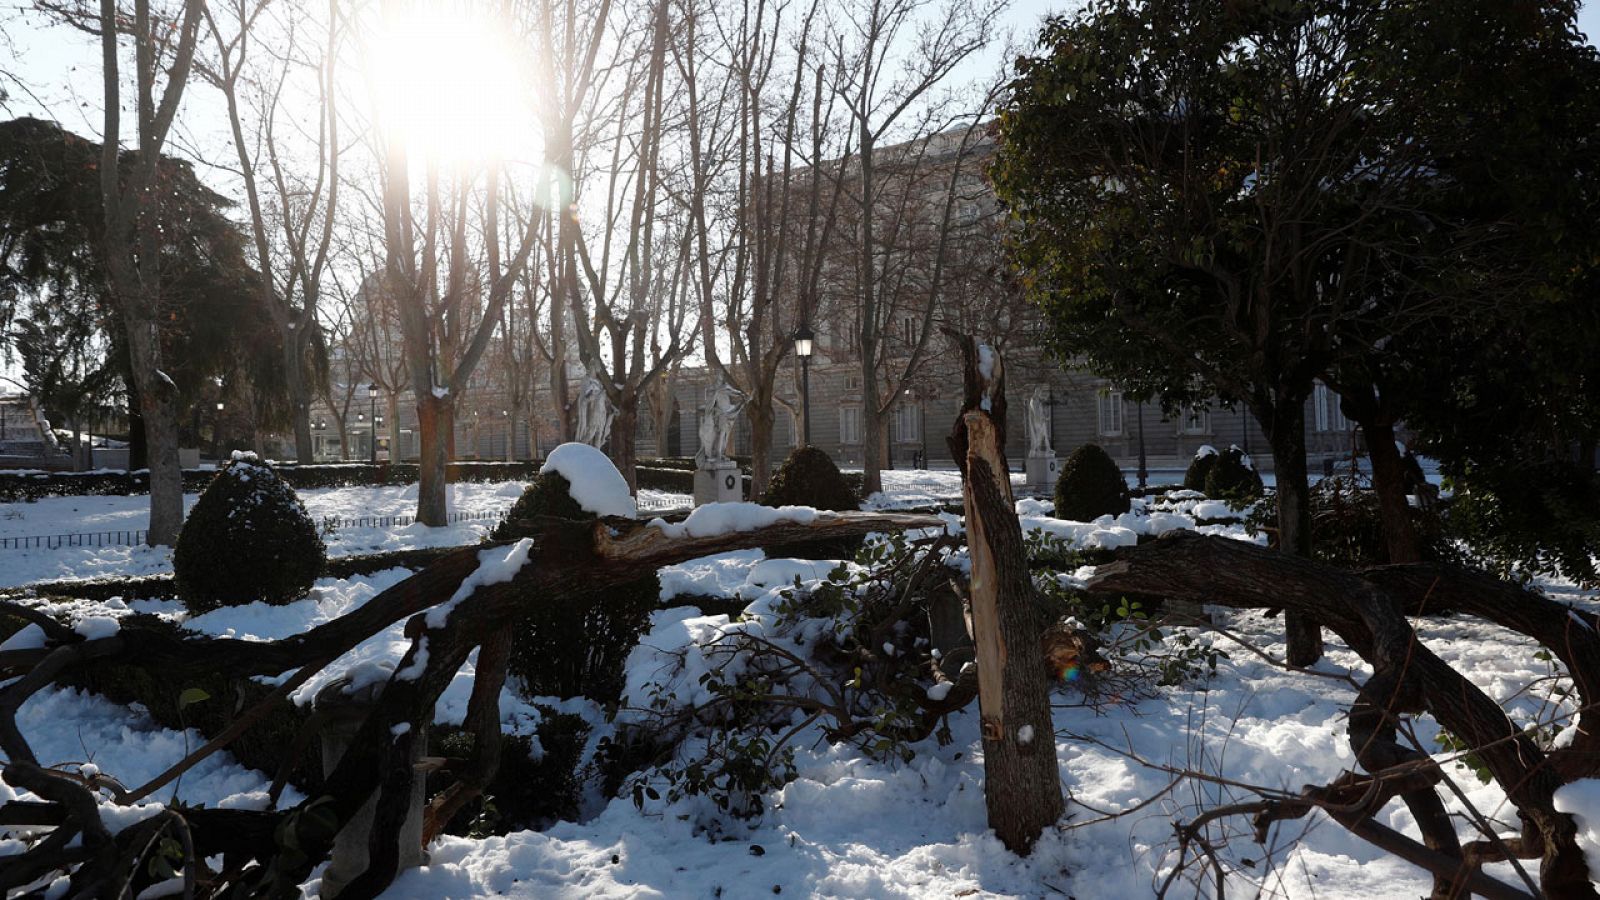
(716,424)
(595,412)
(1039,420)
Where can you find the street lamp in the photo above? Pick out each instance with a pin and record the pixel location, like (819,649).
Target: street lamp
(510,435)
(372,405)
(1144,472)
(804,340)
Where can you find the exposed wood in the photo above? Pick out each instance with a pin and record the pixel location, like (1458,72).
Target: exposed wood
(1022,785)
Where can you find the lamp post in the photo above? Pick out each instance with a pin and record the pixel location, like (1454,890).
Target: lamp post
(372,406)
(377,423)
(1144,472)
(804,340)
(505,414)
(317,442)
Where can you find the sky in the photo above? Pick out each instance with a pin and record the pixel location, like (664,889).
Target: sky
(61,68)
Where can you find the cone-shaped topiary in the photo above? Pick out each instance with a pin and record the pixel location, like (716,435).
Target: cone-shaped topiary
(1090,486)
(550,494)
(575,644)
(809,478)
(248,538)
(1233,477)
(1195,478)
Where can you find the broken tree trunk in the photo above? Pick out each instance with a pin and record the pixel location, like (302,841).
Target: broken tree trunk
(1022,784)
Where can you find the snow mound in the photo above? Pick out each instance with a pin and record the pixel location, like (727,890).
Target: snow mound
(713,519)
(597,486)
(1581,799)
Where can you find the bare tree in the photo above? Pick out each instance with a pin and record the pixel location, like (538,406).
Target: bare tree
(892,93)
(631,325)
(757,127)
(290,274)
(568,36)
(164,45)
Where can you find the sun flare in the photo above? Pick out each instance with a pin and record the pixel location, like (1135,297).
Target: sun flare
(453,84)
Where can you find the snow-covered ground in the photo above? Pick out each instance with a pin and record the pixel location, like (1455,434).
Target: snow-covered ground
(71,515)
(852,827)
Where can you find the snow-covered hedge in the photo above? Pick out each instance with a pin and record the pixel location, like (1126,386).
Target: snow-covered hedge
(248,538)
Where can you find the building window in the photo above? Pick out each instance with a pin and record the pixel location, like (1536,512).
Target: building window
(1325,409)
(906,420)
(1196,420)
(1111,413)
(849,424)
(908,330)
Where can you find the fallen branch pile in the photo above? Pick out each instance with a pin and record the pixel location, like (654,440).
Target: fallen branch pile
(270,853)
(1369,610)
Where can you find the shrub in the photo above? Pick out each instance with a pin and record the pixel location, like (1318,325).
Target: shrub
(550,495)
(1090,486)
(248,538)
(1232,476)
(809,478)
(1530,517)
(1195,478)
(574,645)
(1347,525)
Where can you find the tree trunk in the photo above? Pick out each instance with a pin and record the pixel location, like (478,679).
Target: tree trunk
(1286,431)
(158,408)
(393,410)
(436,423)
(1389,482)
(760,412)
(871,435)
(299,394)
(1022,785)
(622,450)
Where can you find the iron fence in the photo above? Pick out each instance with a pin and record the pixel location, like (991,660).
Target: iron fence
(136,537)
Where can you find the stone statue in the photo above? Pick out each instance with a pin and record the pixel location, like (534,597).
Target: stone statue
(716,424)
(1039,421)
(595,412)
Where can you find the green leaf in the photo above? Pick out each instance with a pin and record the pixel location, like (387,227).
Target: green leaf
(192,696)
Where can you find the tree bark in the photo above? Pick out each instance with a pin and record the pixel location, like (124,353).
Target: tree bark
(1022,784)
(1389,483)
(622,449)
(1367,610)
(436,424)
(1286,432)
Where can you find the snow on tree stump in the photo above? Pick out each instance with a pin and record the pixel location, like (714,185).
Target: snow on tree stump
(344,708)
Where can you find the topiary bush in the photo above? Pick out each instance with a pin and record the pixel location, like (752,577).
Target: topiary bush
(808,477)
(1090,486)
(1232,477)
(248,538)
(574,645)
(1194,479)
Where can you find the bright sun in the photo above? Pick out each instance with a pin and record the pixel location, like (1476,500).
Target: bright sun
(453,84)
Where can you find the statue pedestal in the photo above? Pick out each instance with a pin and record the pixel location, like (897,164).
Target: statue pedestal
(1042,470)
(718,482)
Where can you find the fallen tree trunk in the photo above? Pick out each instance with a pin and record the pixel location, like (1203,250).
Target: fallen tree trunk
(450,615)
(1368,610)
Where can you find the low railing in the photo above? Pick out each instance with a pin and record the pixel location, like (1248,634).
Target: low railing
(135,537)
